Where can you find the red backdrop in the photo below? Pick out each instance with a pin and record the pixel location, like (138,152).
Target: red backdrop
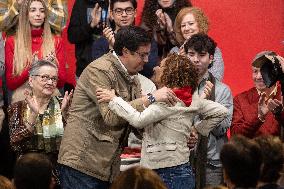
(70,49)
(241,28)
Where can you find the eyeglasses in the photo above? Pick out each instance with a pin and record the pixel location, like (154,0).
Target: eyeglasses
(45,78)
(143,56)
(128,11)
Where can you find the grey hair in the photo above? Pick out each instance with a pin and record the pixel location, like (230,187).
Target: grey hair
(260,54)
(38,64)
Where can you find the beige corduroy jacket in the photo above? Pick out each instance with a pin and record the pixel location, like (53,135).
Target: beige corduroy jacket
(94,135)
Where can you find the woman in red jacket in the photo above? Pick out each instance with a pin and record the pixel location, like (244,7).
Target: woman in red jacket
(33,39)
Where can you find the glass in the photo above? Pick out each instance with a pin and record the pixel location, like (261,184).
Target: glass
(45,78)
(128,11)
(143,56)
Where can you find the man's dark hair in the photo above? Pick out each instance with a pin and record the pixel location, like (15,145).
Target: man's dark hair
(241,159)
(33,171)
(273,158)
(201,43)
(133,2)
(130,37)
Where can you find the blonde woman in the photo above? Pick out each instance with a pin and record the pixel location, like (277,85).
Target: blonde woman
(33,39)
(190,21)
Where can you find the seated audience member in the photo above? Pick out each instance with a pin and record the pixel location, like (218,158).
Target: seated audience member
(37,123)
(10,10)
(33,40)
(190,21)
(241,160)
(83,31)
(200,49)
(273,160)
(138,178)
(33,171)
(158,17)
(123,13)
(259,110)
(5,183)
(166,128)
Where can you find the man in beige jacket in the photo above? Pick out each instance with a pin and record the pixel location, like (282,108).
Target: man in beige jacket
(95,136)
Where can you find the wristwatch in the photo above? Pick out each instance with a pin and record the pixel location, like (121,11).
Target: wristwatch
(151,98)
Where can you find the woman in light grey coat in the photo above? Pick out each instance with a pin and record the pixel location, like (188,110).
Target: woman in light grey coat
(166,128)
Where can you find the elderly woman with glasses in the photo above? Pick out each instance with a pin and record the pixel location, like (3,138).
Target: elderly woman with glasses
(37,123)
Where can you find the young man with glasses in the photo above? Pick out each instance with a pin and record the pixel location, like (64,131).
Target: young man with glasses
(123,13)
(95,136)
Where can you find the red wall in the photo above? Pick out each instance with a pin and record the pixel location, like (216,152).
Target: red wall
(70,49)
(241,28)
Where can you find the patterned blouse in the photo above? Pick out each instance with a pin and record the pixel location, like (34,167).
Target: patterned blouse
(48,129)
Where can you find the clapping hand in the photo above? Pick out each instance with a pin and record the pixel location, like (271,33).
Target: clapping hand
(207,90)
(66,101)
(161,21)
(164,21)
(275,105)
(33,105)
(262,106)
(96,15)
(272,105)
(109,35)
(34,110)
(105,95)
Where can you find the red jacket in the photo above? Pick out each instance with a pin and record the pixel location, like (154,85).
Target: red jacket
(13,82)
(245,120)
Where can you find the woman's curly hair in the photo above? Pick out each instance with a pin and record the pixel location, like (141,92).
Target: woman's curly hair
(149,16)
(179,72)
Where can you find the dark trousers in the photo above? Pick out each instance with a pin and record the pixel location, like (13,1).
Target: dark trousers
(178,177)
(73,179)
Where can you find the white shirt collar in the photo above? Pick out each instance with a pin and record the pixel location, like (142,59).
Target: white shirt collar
(122,65)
